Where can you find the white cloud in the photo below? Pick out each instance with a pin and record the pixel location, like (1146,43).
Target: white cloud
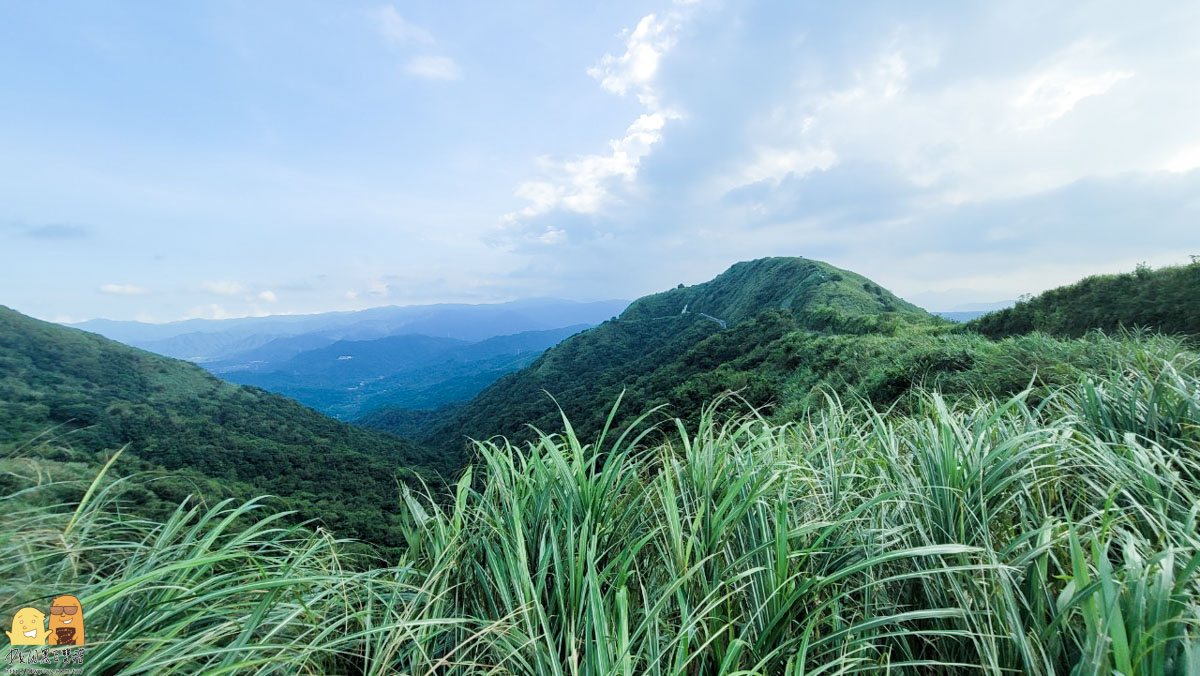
(773,164)
(397,30)
(1184,160)
(551,236)
(583,184)
(441,68)
(912,146)
(1054,93)
(268,296)
(223,288)
(636,68)
(1007,133)
(123,290)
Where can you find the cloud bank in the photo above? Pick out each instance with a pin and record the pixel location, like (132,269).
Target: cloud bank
(970,150)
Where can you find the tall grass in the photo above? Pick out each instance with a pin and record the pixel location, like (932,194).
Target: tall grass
(977,536)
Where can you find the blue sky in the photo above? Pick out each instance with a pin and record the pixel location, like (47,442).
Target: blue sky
(168,160)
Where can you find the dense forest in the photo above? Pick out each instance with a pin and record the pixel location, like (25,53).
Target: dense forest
(95,396)
(1165,300)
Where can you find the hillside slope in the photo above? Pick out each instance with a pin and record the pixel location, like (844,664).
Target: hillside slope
(675,348)
(178,416)
(821,295)
(1166,300)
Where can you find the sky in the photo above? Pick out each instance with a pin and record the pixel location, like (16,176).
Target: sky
(161,161)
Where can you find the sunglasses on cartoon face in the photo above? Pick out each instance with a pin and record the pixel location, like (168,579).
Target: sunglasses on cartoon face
(64,610)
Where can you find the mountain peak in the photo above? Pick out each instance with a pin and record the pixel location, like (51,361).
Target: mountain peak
(749,288)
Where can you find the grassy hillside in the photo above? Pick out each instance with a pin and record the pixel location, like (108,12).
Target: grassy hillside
(658,354)
(1166,300)
(798,328)
(984,536)
(821,296)
(100,395)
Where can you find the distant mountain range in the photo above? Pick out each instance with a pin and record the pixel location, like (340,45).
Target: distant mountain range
(208,340)
(351,377)
(961,315)
(345,363)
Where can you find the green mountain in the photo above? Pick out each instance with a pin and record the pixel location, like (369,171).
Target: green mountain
(678,348)
(99,395)
(781,332)
(820,295)
(1165,300)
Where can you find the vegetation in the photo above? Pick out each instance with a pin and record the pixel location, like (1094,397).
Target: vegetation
(231,440)
(1166,299)
(680,348)
(796,327)
(973,535)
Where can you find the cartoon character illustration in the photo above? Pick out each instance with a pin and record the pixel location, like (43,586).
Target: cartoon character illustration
(66,621)
(28,627)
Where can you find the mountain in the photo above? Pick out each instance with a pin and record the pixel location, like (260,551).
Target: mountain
(101,395)
(961,315)
(211,340)
(1166,300)
(348,378)
(781,332)
(350,361)
(823,296)
(674,348)
(268,355)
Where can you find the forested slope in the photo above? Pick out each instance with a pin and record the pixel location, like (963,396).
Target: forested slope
(677,348)
(1165,300)
(104,395)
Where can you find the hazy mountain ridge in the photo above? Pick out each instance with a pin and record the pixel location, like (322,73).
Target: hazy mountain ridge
(209,340)
(349,378)
(343,363)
